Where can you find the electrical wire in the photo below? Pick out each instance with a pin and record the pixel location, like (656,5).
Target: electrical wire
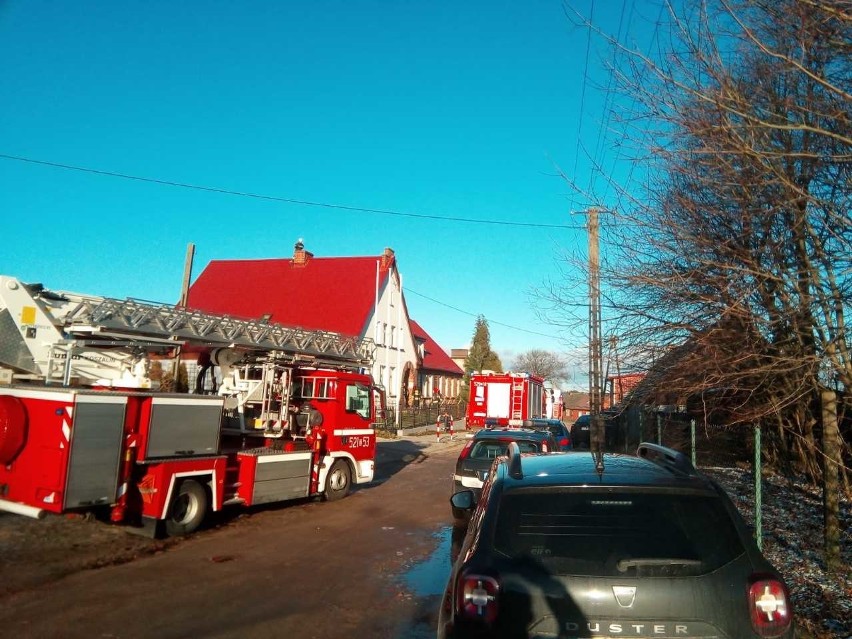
(286,200)
(458,310)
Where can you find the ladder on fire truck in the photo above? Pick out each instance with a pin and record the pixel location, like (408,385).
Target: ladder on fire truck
(107,318)
(517,401)
(58,336)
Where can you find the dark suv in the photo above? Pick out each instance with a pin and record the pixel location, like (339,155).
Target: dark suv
(480,451)
(556,426)
(588,545)
(580,431)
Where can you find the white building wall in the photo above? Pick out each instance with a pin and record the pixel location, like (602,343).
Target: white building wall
(395,346)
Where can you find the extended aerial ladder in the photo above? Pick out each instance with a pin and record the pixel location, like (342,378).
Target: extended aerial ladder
(52,336)
(59,337)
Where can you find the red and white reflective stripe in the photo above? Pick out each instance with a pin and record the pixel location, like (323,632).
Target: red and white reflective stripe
(67,420)
(130,443)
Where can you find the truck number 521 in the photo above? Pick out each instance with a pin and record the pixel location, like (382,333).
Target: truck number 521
(358,442)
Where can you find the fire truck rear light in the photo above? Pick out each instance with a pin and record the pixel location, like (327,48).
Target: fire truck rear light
(477,597)
(769,606)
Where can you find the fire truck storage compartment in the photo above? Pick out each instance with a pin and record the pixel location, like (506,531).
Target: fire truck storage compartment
(273,475)
(95,442)
(183,426)
(498,400)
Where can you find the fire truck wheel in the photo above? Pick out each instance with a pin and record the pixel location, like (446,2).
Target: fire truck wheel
(189,506)
(338,481)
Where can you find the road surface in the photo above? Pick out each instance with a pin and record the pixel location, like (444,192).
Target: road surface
(370,565)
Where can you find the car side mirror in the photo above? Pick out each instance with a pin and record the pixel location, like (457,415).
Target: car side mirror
(463,500)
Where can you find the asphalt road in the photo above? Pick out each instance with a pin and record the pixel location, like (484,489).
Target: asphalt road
(370,565)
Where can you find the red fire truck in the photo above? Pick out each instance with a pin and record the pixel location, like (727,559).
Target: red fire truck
(82,426)
(504,398)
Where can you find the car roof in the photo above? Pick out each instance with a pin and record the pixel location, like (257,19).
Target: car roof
(545,420)
(582,469)
(511,433)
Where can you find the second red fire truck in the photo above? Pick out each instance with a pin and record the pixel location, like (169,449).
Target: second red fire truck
(504,398)
(82,428)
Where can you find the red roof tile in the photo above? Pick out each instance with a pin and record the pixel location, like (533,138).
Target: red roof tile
(324,293)
(435,358)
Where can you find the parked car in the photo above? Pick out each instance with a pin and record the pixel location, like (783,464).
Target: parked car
(556,426)
(612,545)
(580,431)
(486,445)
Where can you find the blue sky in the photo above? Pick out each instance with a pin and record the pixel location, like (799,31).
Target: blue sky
(445,110)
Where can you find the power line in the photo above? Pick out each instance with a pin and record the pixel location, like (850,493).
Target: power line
(458,310)
(583,89)
(275,198)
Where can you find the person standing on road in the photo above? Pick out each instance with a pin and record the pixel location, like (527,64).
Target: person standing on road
(444,423)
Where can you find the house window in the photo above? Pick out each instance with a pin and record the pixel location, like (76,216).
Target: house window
(393,337)
(384,333)
(392,381)
(379,335)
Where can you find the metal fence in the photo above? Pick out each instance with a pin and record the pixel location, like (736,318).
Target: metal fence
(423,415)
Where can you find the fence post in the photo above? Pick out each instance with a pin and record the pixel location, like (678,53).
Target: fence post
(692,434)
(758,490)
(660,429)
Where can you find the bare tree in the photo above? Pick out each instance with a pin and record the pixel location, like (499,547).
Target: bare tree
(730,274)
(546,364)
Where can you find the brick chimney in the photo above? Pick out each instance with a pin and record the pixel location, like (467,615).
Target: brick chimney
(300,256)
(387,259)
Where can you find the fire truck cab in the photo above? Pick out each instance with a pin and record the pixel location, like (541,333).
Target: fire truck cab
(82,426)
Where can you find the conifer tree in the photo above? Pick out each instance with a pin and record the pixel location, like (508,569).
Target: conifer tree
(480,357)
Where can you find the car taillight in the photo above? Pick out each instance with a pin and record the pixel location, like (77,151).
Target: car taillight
(466,450)
(477,597)
(563,442)
(769,606)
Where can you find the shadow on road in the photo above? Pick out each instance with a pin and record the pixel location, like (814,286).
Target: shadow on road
(394,455)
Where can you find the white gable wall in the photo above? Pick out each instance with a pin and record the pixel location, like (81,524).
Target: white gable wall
(395,346)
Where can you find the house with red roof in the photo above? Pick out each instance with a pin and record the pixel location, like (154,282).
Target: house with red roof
(354,296)
(438,376)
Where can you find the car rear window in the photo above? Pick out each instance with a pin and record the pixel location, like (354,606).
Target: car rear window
(486,449)
(618,534)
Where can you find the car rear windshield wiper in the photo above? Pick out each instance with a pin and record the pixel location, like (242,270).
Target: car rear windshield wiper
(624,565)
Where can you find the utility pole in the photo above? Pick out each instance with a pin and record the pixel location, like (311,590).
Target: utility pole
(596,433)
(184,296)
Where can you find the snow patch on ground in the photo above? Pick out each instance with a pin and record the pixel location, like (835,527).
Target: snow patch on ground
(792,523)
